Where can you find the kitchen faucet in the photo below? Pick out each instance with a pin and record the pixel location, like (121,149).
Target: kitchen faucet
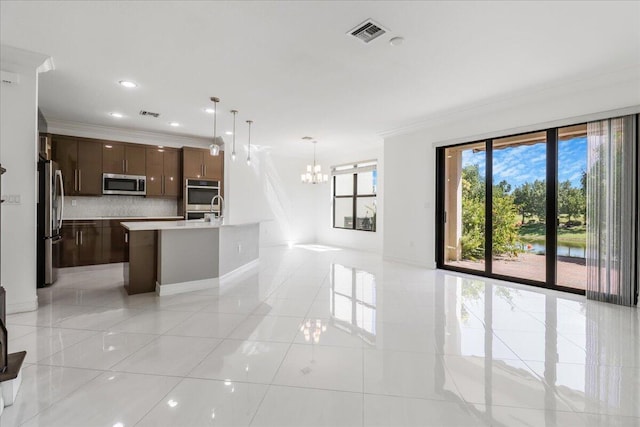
(221,212)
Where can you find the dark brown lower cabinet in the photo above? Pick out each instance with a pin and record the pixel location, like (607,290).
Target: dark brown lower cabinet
(140,269)
(81,243)
(90,242)
(114,242)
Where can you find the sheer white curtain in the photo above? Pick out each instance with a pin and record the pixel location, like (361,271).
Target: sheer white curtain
(612,210)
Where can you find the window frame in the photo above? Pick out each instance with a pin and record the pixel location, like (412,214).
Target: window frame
(353,169)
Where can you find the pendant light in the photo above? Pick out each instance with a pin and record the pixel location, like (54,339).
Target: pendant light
(218,142)
(233,150)
(313,174)
(249,122)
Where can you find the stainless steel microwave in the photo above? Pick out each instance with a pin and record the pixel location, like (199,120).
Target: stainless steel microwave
(132,185)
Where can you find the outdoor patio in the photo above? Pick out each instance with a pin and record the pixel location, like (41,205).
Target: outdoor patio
(571,272)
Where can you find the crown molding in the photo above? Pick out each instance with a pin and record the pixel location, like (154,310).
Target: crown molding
(16,57)
(86,130)
(601,115)
(564,87)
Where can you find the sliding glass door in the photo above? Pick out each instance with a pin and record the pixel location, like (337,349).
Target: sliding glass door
(465,182)
(556,208)
(513,208)
(519,206)
(572,192)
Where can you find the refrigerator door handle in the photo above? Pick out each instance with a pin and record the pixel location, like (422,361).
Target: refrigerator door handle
(61,210)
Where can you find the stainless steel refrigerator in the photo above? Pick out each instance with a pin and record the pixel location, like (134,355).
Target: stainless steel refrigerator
(50,214)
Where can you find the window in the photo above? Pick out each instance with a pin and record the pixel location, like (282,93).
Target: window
(514,208)
(354,196)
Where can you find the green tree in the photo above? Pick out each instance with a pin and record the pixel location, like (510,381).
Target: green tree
(571,200)
(503,187)
(505,228)
(472,183)
(583,183)
(505,216)
(530,199)
(473,214)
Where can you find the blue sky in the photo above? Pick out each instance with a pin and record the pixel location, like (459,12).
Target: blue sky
(526,163)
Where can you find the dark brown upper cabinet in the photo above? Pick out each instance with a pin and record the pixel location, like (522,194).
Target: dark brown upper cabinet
(198,163)
(213,165)
(163,172)
(80,161)
(127,159)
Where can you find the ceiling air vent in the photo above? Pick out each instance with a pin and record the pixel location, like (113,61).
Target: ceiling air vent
(149,113)
(367,31)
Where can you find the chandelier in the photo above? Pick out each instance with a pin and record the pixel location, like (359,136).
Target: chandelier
(313,174)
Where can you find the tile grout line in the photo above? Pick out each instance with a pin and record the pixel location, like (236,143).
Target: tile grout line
(40,410)
(280,365)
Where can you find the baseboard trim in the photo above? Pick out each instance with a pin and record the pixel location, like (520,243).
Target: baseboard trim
(234,274)
(199,285)
(182,287)
(429,265)
(21,307)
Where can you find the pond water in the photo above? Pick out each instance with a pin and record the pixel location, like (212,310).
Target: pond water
(577,251)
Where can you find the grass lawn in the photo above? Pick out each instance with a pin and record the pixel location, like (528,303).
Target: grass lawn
(535,233)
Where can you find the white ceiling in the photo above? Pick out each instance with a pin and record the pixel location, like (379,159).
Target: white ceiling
(290,67)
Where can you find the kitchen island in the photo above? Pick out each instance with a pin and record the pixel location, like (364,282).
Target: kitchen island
(171,257)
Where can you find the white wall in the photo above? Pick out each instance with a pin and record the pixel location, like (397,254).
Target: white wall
(409,222)
(409,200)
(18,154)
(269,190)
(356,239)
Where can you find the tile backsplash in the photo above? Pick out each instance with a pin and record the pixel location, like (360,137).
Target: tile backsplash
(94,207)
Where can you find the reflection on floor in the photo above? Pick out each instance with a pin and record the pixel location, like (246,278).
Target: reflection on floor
(324,338)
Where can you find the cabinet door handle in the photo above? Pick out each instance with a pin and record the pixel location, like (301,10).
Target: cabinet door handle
(126,237)
(126,165)
(79,179)
(75,179)
(77,233)
(205,170)
(80,237)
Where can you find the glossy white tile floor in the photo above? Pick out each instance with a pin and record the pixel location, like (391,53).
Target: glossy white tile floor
(324,339)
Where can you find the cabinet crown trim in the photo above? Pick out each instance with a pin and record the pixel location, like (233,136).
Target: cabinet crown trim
(84,130)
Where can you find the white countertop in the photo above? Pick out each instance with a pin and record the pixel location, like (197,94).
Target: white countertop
(177,225)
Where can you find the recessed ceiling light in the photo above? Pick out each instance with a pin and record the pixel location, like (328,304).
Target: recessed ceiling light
(116,115)
(160,146)
(396,41)
(127,84)
(174,124)
(229,132)
(209,110)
